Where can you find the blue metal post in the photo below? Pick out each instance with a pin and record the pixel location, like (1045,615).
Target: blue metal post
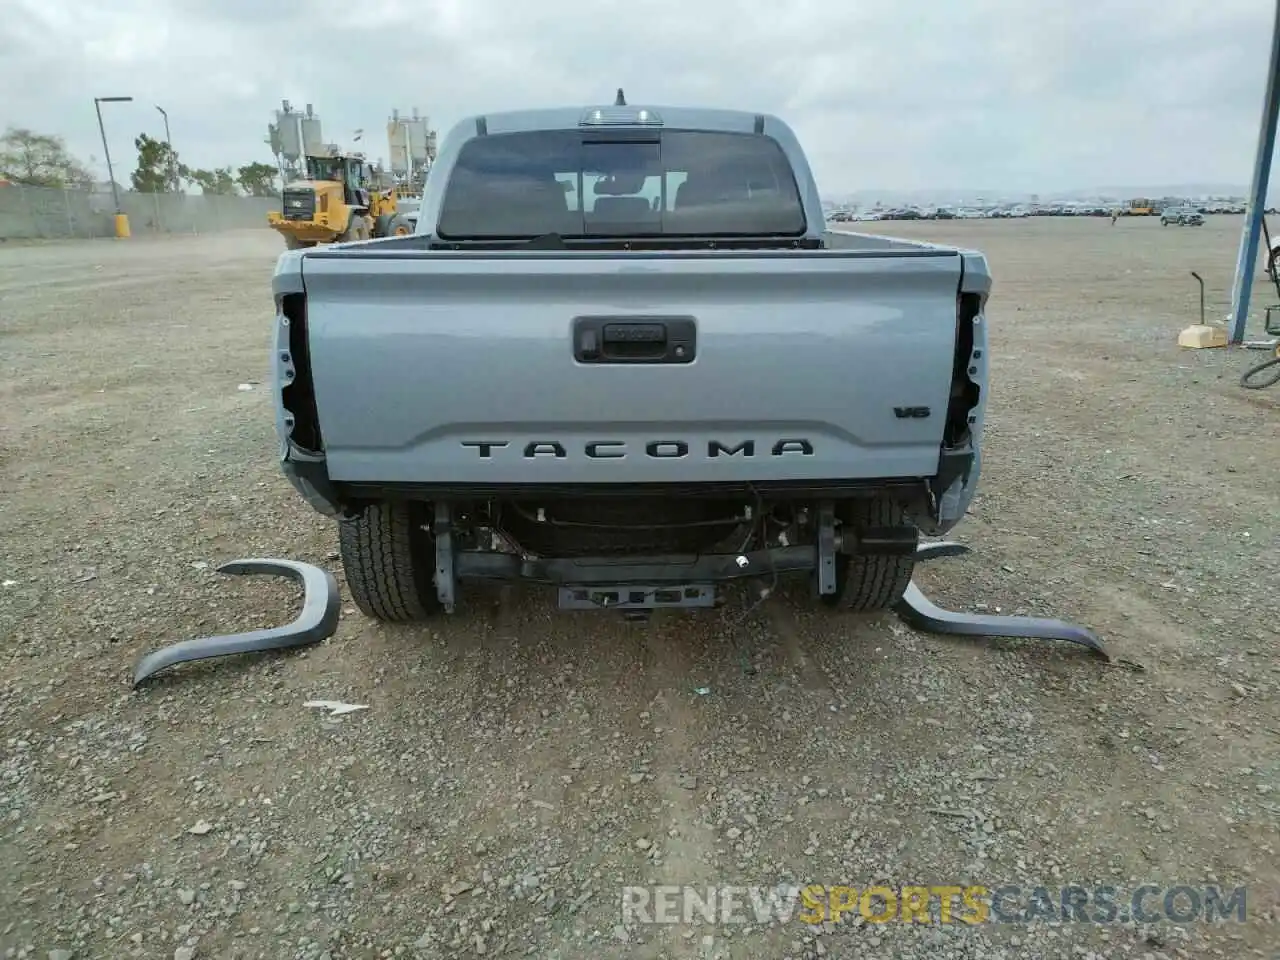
(1247,261)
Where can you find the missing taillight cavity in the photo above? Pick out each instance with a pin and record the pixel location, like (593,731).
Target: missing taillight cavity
(298,395)
(965,391)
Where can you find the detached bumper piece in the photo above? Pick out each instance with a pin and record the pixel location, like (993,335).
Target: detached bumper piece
(317,620)
(920,612)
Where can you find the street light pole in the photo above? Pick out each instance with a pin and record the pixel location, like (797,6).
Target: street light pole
(173,173)
(97,105)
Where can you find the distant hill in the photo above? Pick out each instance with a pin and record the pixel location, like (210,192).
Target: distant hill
(950,197)
(1168,190)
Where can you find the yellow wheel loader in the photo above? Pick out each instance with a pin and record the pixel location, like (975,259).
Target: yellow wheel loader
(340,200)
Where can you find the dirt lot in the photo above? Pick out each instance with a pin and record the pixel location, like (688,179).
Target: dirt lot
(517,766)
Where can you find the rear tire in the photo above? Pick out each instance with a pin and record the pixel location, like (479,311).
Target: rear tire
(400,226)
(357,229)
(871,583)
(389,562)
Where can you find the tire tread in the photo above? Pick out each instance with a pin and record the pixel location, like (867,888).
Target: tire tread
(384,571)
(870,583)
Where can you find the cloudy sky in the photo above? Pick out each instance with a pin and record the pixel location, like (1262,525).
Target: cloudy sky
(981,94)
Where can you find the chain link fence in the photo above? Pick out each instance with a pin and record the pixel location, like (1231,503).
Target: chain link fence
(43,213)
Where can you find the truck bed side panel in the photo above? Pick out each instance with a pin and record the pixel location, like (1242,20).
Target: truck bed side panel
(459,368)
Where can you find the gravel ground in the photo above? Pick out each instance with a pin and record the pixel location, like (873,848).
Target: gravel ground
(518,766)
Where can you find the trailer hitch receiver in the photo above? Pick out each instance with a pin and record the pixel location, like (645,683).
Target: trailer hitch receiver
(317,620)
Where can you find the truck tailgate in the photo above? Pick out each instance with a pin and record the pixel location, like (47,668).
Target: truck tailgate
(461,368)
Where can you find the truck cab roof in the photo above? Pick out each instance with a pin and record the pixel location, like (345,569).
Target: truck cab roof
(612,116)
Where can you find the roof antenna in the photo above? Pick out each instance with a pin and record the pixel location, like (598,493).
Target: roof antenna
(621,100)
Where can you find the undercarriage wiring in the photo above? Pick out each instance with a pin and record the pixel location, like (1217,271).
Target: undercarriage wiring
(756,521)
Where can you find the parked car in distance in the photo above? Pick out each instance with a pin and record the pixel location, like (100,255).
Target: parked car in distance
(1181,216)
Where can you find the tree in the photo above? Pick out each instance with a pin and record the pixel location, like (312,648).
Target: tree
(221,181)
(157,164)
(40,160)
(257,179)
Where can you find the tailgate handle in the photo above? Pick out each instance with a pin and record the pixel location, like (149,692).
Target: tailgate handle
(638,333)
(634,340)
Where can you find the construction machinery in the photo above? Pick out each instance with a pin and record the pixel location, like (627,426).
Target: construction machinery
(341,198)
(1140,207)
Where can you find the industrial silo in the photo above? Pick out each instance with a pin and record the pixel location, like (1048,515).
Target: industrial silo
(312,136)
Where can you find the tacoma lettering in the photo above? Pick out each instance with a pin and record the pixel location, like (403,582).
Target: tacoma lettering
(485,447)
(596,452)
(545,449)
(716,449)
(667,449)
(653,449)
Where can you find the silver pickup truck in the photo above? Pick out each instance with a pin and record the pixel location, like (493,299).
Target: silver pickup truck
(624,355)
